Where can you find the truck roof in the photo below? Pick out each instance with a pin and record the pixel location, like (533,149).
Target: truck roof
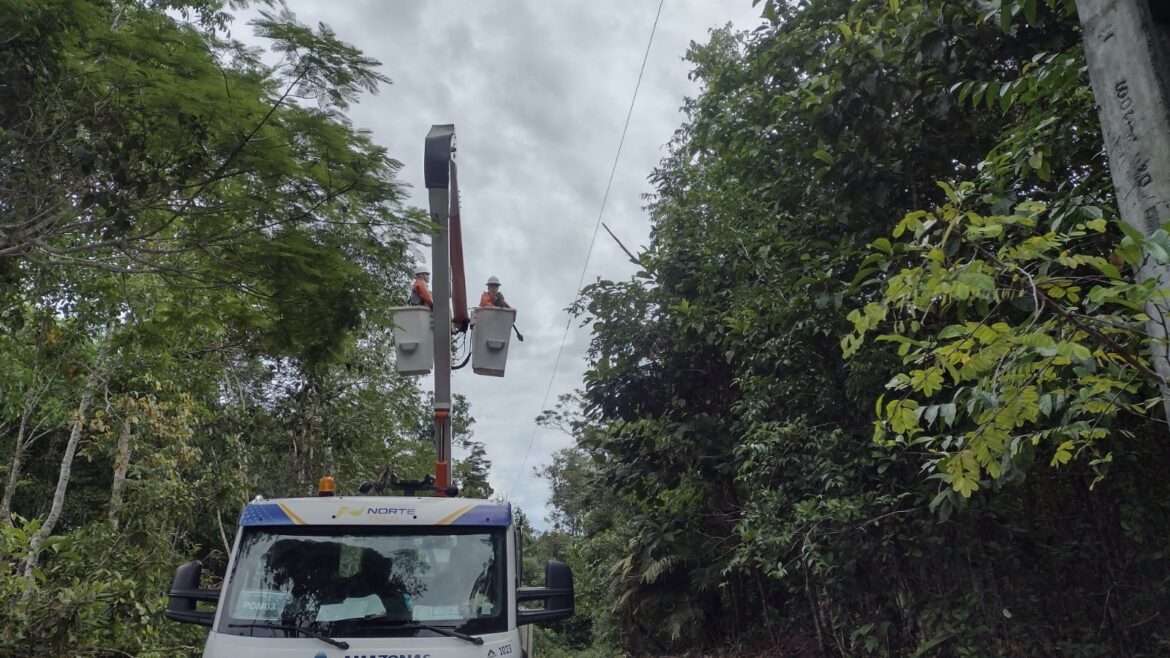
(376,510)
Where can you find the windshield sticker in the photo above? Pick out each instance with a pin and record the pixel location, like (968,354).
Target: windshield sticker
(351,608)
(261,605)
(437,612)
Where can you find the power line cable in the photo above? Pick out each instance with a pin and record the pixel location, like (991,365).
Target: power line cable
(593,240)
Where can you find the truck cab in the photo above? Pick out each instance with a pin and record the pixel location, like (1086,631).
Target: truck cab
(372,576)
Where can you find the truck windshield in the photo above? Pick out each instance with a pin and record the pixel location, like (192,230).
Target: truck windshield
(366,582)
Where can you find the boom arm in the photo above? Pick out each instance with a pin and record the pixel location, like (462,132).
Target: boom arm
(437,172)
(447,261)
(458,280)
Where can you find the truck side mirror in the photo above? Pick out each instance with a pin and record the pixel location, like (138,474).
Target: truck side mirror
(557,595)
(185,595)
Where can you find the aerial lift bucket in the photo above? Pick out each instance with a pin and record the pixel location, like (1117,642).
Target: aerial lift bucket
(413,340)
(490,337)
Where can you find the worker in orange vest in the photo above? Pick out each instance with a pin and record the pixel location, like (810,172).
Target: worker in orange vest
(420,294)
(492,296)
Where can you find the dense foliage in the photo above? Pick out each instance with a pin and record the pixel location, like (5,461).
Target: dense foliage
(881,387)
(198,256)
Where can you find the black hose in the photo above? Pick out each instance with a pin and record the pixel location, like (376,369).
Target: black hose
(465,360)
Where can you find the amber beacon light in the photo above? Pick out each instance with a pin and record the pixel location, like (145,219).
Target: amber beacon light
(326,486)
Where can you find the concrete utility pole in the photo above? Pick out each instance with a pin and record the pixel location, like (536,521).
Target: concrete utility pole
(1127,47)
(437,173)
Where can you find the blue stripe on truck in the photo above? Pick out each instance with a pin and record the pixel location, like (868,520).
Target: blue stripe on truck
(264,514)
(486,514)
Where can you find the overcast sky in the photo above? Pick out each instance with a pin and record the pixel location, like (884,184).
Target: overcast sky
(538,91)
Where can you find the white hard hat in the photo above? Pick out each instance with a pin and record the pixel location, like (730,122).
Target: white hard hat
(493,281)
(418,272)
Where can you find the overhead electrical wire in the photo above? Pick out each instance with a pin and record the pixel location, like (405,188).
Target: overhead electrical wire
(593,240)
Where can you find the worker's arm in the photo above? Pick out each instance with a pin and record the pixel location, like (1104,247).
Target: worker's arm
(500,301)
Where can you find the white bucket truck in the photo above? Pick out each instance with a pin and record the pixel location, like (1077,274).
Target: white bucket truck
(380,576)
(371,577)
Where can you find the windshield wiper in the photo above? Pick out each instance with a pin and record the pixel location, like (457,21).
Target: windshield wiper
(382,620)
(340,644)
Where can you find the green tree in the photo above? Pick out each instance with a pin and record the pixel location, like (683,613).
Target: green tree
(198,254)
(735,487)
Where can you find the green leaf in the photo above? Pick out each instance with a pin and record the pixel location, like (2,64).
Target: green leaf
(948,189)
(930,414)
(953,331)
(1156,251)
(948,411)
(902,416)
(1105,267)
(1030,13)
(977,97)
(992,94)
(928,382)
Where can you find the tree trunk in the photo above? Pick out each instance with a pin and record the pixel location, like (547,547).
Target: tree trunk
(121,465)
(50,524)
(1128,54)
(14,471)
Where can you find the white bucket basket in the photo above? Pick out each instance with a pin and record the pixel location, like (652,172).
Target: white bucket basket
(413,340)
(490,338)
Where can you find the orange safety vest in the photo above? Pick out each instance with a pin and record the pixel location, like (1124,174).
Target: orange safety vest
(488,299)
(420,291)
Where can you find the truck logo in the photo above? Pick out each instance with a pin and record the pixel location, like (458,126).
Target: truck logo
(394,511)
(345,510)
